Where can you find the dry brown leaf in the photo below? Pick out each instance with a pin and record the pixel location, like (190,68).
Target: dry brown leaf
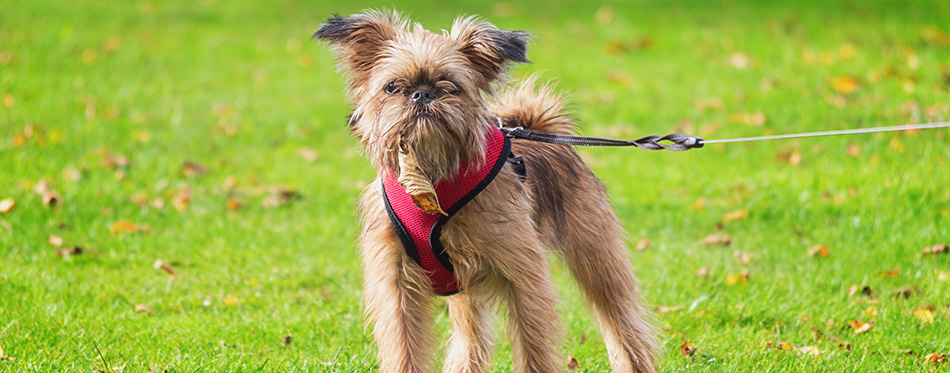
(418,185)
(644,244)
(715,239)
(687,349)
(702,272)
(287,340)
(140,308)
(665,309)
(818,251)
(785,346)
(3,356)
(937,249)
(182,199)
(189,168)
(889,274)
(854,150)
(6,205)
(308,154)
(112,163)
(278,197)
(55,240)
(752,119)
(234,204)
(907,292)
(935,358)
(735,215)
(159,264)
(125,226)
(845,84)
(860,327)
(75,250)
(743,257)
(572,364)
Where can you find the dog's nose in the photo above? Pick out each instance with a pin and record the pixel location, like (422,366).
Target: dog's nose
(422,97)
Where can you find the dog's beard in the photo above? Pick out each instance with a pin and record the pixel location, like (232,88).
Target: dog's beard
(441,135)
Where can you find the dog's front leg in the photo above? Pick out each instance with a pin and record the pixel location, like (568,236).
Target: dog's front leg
(398,305)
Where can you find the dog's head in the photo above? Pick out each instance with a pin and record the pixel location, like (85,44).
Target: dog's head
(421,92)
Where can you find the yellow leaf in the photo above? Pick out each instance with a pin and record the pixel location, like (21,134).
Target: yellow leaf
(735,215)
(230,300)
(644,244)
(845,84)
(737,278)
(925,315)
(785,346)
(753,119)
(871,311)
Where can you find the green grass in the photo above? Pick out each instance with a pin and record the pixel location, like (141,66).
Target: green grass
(239,88)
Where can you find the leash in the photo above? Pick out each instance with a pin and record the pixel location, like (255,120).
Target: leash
(681,142)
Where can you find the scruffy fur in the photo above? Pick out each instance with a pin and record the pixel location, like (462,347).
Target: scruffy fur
(499,242)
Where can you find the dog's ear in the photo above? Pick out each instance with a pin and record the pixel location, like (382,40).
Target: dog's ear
(489,49)
(357,40)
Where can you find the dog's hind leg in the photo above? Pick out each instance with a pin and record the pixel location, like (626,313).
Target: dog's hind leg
(594,250)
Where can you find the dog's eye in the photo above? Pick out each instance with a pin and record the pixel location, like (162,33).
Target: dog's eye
(390,88)
(452,89)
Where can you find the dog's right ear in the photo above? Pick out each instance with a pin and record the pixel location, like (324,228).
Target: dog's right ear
(357,40)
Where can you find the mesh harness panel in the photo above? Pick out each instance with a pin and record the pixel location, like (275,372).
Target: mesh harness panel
(421,233)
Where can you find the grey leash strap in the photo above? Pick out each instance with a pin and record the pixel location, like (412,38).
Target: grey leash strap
(680,142)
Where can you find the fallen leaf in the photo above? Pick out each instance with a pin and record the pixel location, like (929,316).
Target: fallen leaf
(50,199)
(190,168)
(809,350)
(230,300)
(854,150)
(845,84)
(278,197)
(743,256)
(125,226)
(936,250)
(75,250)
(715,239)
(55,240)
(110,162)
(925,314)
(907,292)
(739,60)
(708,104)
(572,364)
(816,335)
(702,272)
(871,311)
(818,250)
(752,119)
(182,199)
(3,356)
(644,244)
(6,205)
(234,204)
(936,36)
(860,327)
(308,154)
(889,274)
(687,349)
(935,358)
(159,264)
(785,346)
(737,278)
(665,309)
(941,275)
(139,308)
(735,215)
(288,339)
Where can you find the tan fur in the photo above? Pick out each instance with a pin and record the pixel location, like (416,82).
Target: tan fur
(499,242)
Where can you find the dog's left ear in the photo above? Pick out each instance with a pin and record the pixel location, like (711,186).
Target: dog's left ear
(489,49)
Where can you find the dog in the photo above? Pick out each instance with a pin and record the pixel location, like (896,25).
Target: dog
(440,99)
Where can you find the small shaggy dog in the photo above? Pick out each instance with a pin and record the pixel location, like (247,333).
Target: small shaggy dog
(483,211)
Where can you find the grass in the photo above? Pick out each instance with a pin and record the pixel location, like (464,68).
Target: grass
(239,89)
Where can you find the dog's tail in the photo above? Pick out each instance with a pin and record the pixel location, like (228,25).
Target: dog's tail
(533,107)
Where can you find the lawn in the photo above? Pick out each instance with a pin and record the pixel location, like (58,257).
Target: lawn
(209,136)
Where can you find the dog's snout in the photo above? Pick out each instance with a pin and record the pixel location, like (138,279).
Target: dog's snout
(422,97)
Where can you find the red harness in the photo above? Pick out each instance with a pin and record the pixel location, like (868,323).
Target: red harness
(420,232)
